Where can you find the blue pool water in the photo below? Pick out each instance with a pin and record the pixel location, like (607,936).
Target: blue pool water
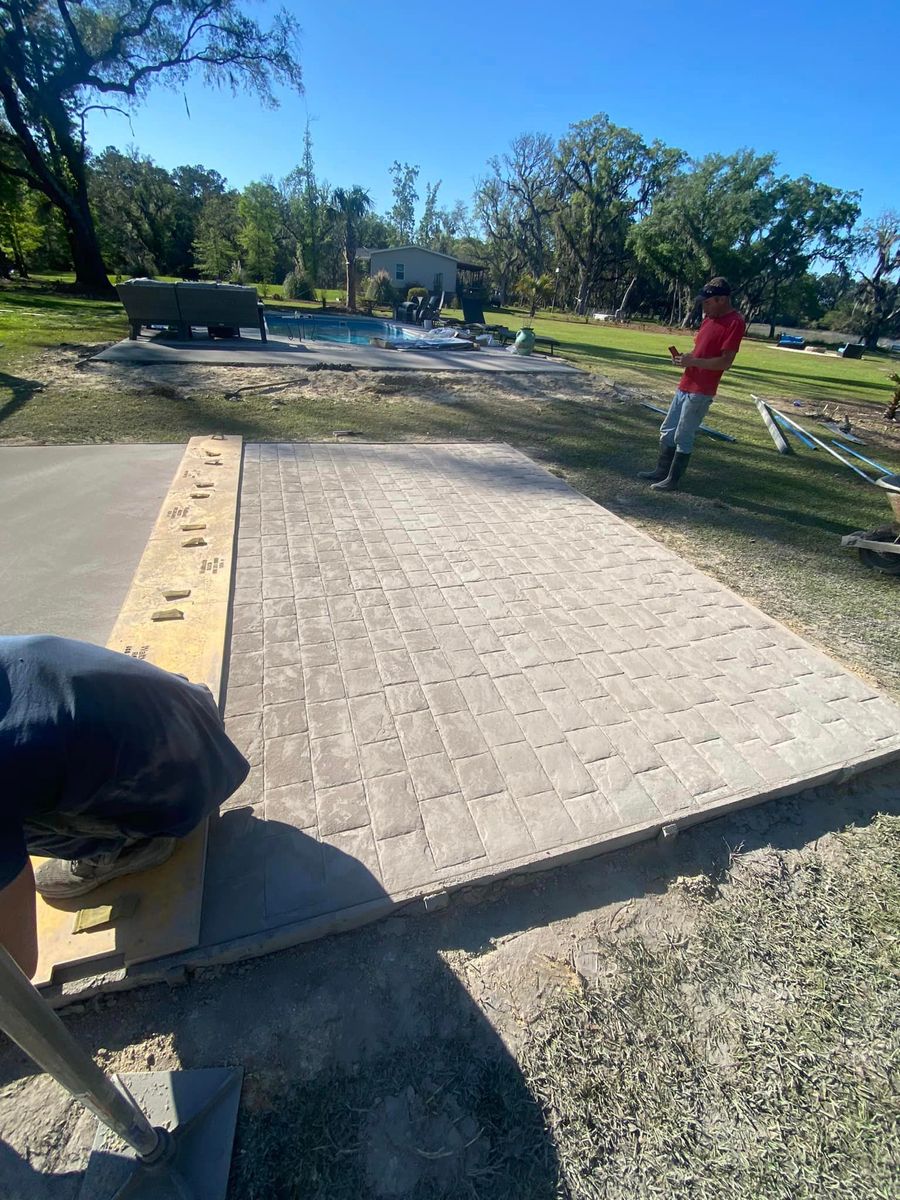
(352,331)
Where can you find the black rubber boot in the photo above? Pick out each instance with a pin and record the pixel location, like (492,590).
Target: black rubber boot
(661,470)
(672,480)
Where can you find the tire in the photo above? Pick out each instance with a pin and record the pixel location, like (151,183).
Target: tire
(885,564)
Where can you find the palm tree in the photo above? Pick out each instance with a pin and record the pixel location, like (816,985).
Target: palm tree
(349,205)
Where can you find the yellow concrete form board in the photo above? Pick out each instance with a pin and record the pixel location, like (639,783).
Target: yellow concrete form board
(176,616)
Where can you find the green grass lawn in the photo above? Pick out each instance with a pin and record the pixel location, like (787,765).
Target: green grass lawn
(761,368)
(34,317)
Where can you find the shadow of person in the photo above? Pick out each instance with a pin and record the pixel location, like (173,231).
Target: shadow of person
(20,391)
(369,1069)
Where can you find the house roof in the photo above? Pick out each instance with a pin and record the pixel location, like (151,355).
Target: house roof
(422,249)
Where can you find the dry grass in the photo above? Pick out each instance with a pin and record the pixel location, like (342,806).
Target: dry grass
(758,1057)
(755,1056)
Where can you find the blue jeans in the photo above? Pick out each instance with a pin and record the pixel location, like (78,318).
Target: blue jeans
(684,418)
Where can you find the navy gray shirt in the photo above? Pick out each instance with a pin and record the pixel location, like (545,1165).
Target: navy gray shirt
(96,747)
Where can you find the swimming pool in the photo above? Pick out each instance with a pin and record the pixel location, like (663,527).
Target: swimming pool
(357,331)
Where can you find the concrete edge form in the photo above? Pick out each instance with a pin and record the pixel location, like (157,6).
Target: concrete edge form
(176,616)
(173,969)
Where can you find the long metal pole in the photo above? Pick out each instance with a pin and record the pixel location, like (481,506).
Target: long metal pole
(824,445)
(31,1023)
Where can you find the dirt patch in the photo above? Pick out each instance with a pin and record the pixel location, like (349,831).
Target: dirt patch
(866,421)
(53,368)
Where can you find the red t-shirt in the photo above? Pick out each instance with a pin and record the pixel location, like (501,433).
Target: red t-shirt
(716,336)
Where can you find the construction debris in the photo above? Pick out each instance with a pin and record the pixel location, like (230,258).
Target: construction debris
(781,443)
(823,445)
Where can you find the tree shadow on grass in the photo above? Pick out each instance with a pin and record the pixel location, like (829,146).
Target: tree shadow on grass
(22,391)
(810,382)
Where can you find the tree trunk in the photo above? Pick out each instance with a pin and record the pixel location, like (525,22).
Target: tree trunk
(623,309)
(774,313)
(18,256)
(581,303)
(62,178)
(350,262)
(90,270)
(6,265)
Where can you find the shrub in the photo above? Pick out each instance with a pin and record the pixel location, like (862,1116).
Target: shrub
(297,286)
(380,289)
(414,292)
(139,266)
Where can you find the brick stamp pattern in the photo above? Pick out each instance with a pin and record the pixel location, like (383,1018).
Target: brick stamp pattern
(445,661)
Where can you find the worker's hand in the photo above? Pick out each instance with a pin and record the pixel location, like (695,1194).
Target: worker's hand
(684,360)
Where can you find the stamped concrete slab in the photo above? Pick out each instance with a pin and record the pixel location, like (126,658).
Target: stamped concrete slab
(447,665)
(249,351)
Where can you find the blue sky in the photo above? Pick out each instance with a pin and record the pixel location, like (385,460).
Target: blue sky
(448,86)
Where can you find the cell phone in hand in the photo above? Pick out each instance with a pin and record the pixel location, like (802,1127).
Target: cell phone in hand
(674,351)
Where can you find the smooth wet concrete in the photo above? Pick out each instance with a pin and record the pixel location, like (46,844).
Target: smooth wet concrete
(75,523)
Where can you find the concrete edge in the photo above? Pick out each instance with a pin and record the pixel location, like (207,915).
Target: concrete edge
(150,358)
(174,969)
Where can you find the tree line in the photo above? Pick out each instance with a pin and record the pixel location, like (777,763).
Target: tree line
(601,219)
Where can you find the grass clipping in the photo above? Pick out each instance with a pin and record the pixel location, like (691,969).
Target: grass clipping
(758,1057)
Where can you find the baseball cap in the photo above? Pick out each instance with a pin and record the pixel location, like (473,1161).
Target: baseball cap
(717,286)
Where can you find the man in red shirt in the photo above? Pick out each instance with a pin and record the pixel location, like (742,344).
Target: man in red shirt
(715,347)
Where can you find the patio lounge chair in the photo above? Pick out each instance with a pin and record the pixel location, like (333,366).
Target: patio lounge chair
(431,310)
(222,304)
(406,311)
(148,302)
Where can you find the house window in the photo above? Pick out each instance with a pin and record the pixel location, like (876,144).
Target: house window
(399,272)
(438,282)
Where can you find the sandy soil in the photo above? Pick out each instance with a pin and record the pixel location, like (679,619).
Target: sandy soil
(54,368)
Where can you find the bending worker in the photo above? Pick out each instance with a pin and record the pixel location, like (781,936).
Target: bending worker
(717,342)
(104,762)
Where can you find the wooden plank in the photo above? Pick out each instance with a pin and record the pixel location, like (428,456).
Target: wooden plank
(781,443)
(188,570)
